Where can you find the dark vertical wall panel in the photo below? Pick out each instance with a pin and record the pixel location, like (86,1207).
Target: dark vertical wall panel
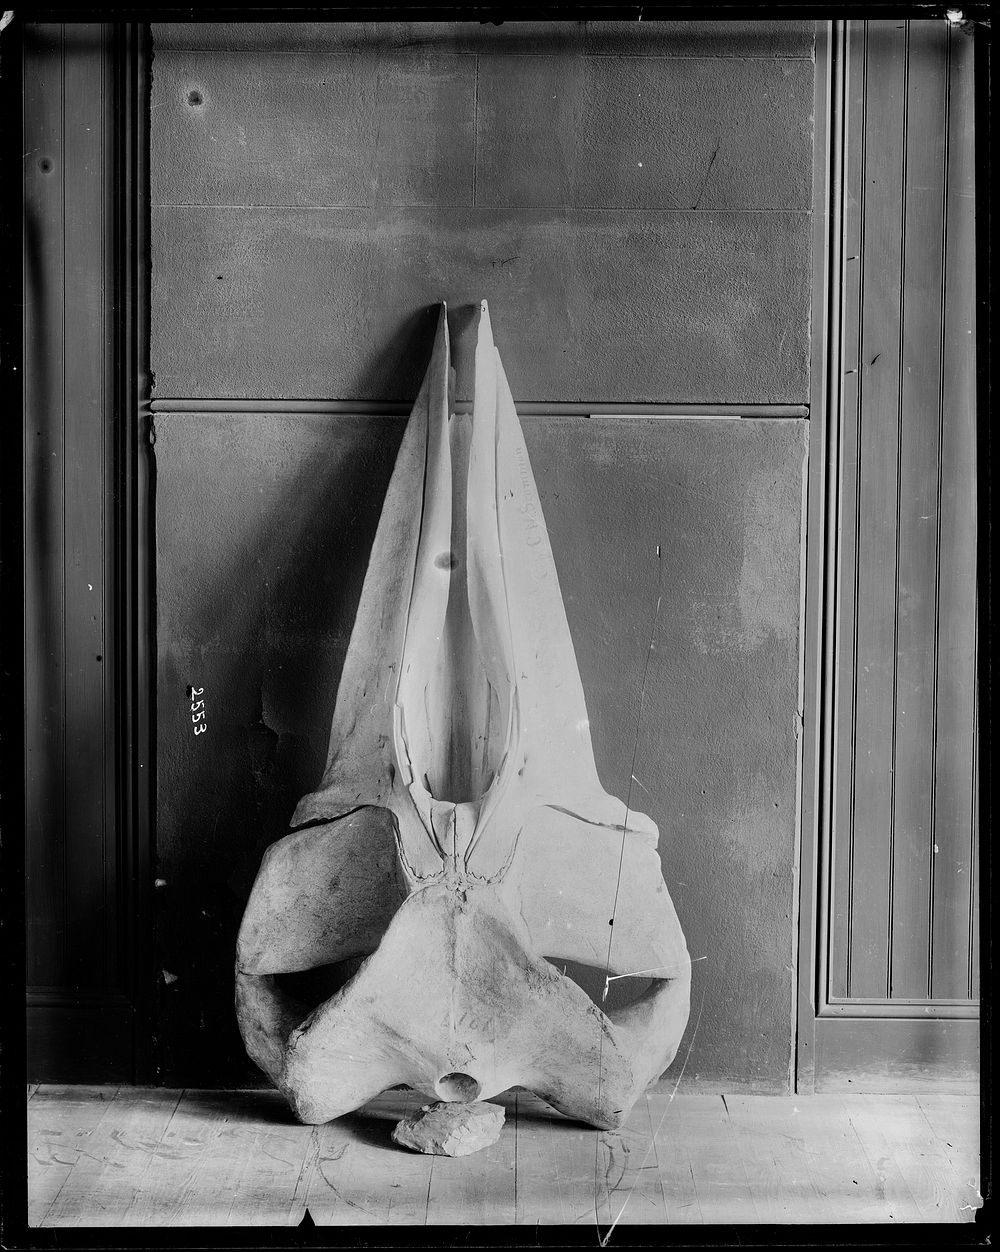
(73,841)
(902,904)
(75,973)
(91,843)
(45,670)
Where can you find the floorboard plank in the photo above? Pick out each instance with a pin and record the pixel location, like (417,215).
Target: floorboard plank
(556,1166)
(572,1174)
(245,1125)
(897,1135)
(670,1152)
(629,1164)
(411,1176)
(61,1121)
(542,1198)
(363,1178)
(277,1170)
(193,1148)
(719,1178)
(479,1189)
(143,1157)
(957,1125)
(121,1150)
(803,1161)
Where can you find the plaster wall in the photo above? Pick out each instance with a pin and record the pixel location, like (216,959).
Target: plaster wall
(315,189)
(264,527)
(635,208)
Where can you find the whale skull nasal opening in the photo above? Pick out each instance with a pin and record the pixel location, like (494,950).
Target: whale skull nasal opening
(457,1088)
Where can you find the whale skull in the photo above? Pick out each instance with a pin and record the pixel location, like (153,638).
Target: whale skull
(460,840)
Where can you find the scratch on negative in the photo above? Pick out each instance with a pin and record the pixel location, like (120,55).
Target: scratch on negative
(652,1142)
(657,969)
(618,883)
(708,172)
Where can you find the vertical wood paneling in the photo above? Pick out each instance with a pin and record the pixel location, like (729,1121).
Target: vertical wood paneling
(44,525)
(903,899)
(842,851)
(72,831)
(918,488)
(90,834)
(954,909)
(877,433)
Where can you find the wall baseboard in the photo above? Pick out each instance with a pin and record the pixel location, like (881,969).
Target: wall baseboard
(899,1054)
(88,1040)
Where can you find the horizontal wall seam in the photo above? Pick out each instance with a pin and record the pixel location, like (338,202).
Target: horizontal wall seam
(452,54)
(526,408)
(479,208)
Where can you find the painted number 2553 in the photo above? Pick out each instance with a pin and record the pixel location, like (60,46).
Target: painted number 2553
(198,710)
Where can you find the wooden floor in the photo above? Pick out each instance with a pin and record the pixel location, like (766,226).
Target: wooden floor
(103,1156)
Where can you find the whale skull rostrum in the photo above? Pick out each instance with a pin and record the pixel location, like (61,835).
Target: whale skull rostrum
(460,842)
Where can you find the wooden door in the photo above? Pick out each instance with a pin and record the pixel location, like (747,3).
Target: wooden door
(890,997)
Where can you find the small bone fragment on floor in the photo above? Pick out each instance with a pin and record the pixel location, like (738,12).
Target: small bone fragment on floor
(451,1129)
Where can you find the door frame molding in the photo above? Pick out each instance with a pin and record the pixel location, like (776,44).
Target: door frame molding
(134,481)
(106,1033)
(819,621)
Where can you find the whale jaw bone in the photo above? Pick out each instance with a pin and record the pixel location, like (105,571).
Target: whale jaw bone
(460,840)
